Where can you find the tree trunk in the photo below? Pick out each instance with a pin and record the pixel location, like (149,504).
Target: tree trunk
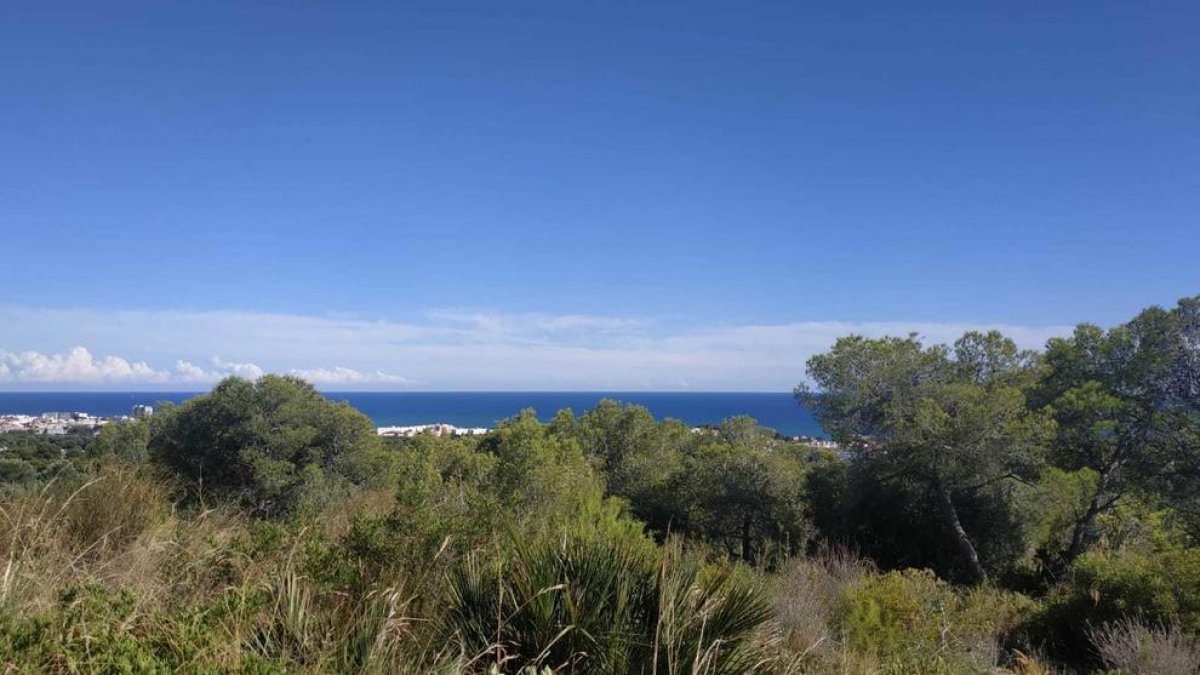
(965,548)
(1083,526)
(1082,530)
(746,548)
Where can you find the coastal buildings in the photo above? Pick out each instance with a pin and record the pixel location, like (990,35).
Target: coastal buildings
(57,423)
(54,423)
(60,423)
(439,429)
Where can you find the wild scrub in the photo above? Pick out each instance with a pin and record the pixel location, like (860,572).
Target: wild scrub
(1156,589)
(1129,646)
(265,529)
(913,622)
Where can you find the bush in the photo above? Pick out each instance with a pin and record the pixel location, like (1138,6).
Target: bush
(15,473)
(1153,588)
(90,630)
(125,441)
(604,606)
(911,621)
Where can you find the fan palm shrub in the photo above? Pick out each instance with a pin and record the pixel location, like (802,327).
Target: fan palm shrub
(604,605)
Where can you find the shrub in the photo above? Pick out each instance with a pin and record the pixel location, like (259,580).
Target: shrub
(604,606)
(1153,588)
(89,630)
(16,472)
(914,622)
(125,441)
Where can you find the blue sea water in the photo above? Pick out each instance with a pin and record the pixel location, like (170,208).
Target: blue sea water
(468,409)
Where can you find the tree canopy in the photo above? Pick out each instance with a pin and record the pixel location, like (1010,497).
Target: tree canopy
(951,421)
(271,444)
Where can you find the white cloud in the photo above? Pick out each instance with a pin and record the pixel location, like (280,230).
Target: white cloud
(75,365)
(347,376)
(492,324)
(187,371)
(78,366)
(444,349)
(250,371)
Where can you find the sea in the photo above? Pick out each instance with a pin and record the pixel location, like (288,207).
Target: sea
(778,411)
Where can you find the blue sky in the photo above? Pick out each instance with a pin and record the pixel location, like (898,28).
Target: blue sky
(616,195)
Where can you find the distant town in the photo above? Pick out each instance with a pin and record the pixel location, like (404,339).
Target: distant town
(439,429)
(62,423)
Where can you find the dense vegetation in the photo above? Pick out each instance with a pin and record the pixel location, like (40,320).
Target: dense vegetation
(990,509)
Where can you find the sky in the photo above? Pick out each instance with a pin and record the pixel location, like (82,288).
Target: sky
(577,195)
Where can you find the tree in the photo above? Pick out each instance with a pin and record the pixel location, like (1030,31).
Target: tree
(1127,403)
(952,422)
(538,472)
(640,458)
(734,486)
(271,444)
(127,441)
(744,491)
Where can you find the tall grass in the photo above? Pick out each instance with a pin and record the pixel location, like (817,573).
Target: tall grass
(806,592)
(79,532)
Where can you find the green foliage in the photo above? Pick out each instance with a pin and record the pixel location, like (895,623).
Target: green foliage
(30,460)
(88,631)
(1157,589)
(538,473)
(950,425)
(276,445)
(743,492)
(458,495)
(1127,403)
(911,621)
(828,497)
(125,441)
(641,459)
(604,606)
(17,472)
(734,486)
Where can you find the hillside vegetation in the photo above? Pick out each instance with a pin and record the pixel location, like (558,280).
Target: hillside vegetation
(992,510)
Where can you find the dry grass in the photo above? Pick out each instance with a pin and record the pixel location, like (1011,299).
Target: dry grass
(193,581)
(1029,664)
(1137,649)
(94,569)
(336,520)
(806,591)
(109,530)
